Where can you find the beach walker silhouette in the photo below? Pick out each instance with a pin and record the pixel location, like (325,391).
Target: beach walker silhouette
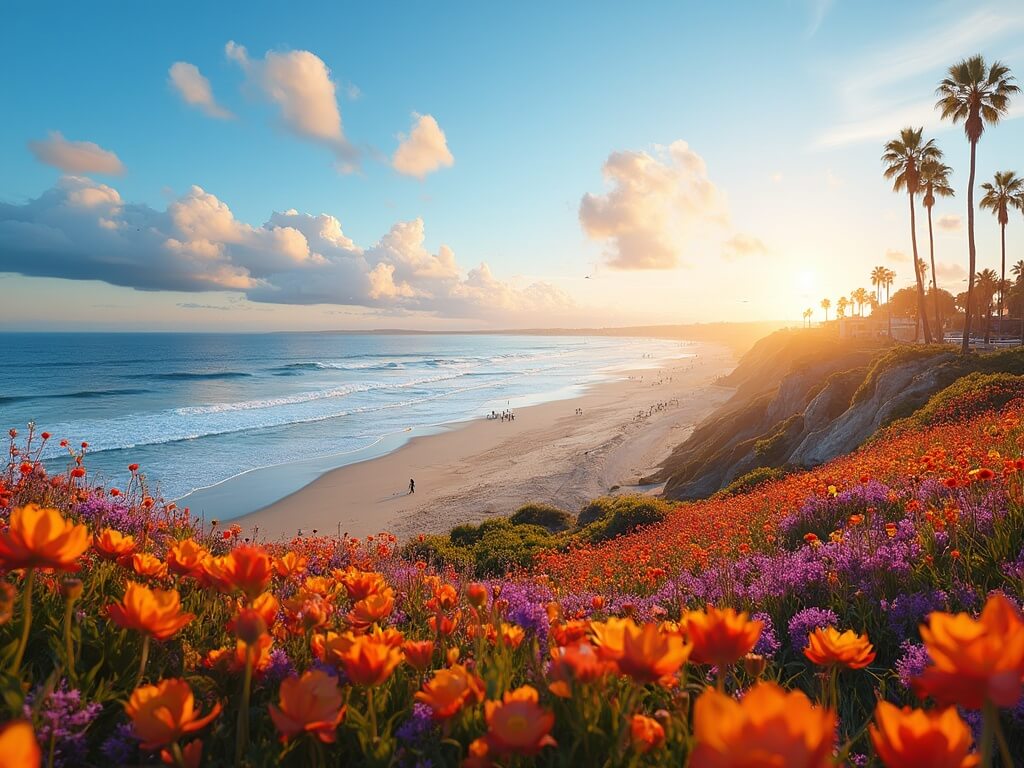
(412,486)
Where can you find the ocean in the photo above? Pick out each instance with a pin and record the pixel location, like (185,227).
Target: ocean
(195,410)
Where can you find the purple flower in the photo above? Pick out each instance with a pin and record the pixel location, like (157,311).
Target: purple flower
(280,666)
(907,612)
(419,724)
(806,621)
(768,643)
(121,747)
(62,718)
(912,663)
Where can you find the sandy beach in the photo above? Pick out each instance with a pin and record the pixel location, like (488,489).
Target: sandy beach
(549,453)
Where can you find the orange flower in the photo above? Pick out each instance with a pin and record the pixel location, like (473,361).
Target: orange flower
(111,544)
(245,568)
(511,635)
(449,690)
(308,704)
(290,564)
(18,746)
(155,612)
(361,584)
(579,662)
(186,557)
(236,661)
(645,733)
(374,608)
(906,738)
(146,564)
(517,724)
(477,594)
(768,727)
(192,754)
(39,537)
(720,636)
(418,653)
(163,713)
(829,647)
(649,653)
(974,660)
(369,659)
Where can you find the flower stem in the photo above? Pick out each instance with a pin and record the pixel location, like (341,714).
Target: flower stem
(142,661)
(177,754)
(989,715)
(1004,747)
(242,737)
(371,705)
(26,620)
(69,646)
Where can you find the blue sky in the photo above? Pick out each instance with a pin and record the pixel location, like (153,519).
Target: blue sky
(783,107)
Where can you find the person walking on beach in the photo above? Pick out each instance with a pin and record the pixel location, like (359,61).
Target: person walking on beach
(412,486)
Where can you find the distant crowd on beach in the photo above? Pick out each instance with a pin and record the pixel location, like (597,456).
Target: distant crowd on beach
(664,405)
(506,415)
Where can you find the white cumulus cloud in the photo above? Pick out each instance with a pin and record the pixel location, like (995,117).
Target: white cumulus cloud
(76,156)
(424,150)
(84,230)
(300,85)
(656,203)
(194,89)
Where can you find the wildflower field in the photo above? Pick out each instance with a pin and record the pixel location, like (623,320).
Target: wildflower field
(866,612)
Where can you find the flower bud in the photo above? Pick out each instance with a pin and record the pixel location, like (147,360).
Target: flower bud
(250,626)
(754,664)
(477,594)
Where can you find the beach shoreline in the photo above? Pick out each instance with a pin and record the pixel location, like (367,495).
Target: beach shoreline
(469,471)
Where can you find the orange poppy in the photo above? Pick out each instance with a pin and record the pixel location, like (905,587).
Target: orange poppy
(720,636)
(290,564)
(155,612)
(373,608)
(829,647)
(246,568)
(163,713)
(645,733)
(769,726)
(111,544)
(146,564)
(308,704)
(369,659)
(18,745)
(449,690)
(40,537)
(649,653)
(974,660)
(908,738)
(418,653)
(186,557)
(518,724)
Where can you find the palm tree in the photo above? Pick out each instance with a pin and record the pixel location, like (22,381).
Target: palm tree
(903,158)
(974,95)
(825,304)
(1018,272)
(1007,192)
(889,278)
(935,182)
(877,280)
(841,304)
(860,298)
(808,314)
(987,283)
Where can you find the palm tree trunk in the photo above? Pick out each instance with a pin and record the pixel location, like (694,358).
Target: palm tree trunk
(889,306)
(971,253)
(940,335)
(1002,278)
(917,273)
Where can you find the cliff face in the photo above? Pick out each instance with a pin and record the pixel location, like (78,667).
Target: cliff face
(802,399)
